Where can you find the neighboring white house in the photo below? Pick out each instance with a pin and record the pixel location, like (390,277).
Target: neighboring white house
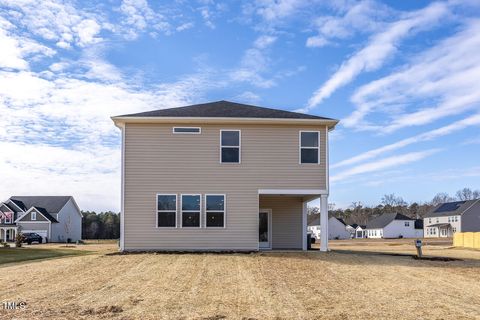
(391,225)
(337,229)
(447,218)
(54,218)
(361,232)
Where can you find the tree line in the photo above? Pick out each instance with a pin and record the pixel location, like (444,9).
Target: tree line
(103,225)
(360,214)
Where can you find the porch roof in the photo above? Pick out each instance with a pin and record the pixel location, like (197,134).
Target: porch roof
(440,225)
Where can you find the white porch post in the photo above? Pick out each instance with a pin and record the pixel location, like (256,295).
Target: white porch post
(304,226)
(324,222)
(4,235)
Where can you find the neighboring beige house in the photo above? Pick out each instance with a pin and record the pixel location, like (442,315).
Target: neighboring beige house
(221,176)
(447,218)
(54,218)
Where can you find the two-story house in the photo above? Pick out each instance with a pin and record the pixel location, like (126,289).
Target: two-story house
(393,225)
(447,218)
(54,218)
(221,176)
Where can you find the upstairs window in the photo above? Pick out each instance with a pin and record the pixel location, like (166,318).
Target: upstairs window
(33,216)
(166,210)
(230,146)
(187,130)
(191,210)
(309,147)
(215,210)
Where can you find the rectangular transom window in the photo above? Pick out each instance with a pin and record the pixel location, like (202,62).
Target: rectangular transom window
(309,146)
(191,210)
(166,210)
(215,210)
(230,146)
(187,130)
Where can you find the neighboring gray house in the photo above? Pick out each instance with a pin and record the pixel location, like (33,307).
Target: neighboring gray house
(392,225)
(447,218)
(221,176)
(55,218)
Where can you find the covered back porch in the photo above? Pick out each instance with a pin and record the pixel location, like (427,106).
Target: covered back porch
(282,222)
(7,233)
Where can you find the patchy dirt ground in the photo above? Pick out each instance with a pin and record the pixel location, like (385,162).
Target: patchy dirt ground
(351,283)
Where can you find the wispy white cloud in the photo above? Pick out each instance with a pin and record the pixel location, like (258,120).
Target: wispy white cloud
(440,82)
(273,10)
(357,17)
(382,164)
(53,20)
(139,16)
(255,62)
(379,48)
(426,136)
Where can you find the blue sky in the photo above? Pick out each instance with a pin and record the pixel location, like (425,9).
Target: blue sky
(402,76)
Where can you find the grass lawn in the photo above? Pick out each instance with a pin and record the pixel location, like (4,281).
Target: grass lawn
(9,255)
(346,284)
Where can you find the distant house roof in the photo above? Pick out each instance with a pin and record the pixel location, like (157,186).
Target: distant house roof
(383,220)
(52,204)
(225,109)
(314,222)
(361,227)
(451,208)
(354,225)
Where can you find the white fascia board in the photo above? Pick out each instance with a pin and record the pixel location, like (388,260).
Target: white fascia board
(214,120)
(293,191)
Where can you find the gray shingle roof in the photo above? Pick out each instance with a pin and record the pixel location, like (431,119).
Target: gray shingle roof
(225,109)
(383,220)
(450,208)
(52,204)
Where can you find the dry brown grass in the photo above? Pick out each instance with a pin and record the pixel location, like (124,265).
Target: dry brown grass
(311,285)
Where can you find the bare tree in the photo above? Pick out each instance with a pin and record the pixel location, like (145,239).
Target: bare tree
(441,197)
(393,200)
(68,228)
(467,194)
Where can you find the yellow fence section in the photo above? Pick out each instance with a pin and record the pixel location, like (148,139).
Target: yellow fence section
(467,239)
(476,240)
(458,239)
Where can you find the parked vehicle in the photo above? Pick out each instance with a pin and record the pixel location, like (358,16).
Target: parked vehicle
(30,237)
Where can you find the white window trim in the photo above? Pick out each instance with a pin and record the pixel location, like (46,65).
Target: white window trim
(300,147)
(224,210)
(157,211)
(199,210)
(33,215)
(199,130)
(239,146)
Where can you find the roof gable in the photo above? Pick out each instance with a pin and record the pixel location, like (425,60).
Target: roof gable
(39,210)
(52,204)
(225,109)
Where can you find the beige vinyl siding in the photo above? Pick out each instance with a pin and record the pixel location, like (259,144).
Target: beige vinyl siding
(28,217)
(158,161)
(286,220)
